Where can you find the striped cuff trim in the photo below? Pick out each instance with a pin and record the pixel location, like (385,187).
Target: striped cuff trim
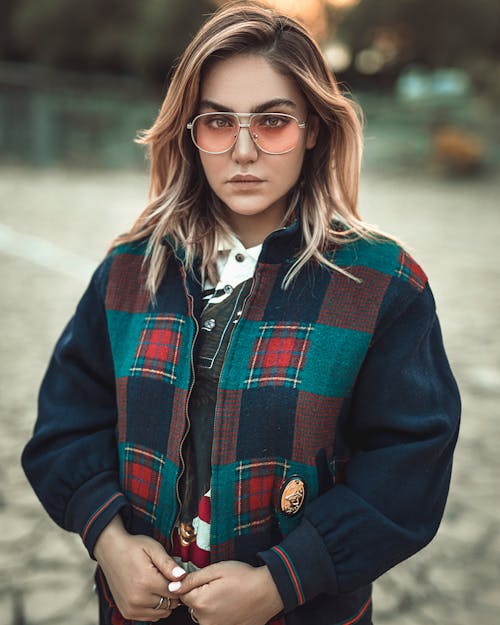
(292,573)
(97,513)
(358,615)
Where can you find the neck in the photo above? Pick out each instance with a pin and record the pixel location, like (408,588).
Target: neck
(253,229)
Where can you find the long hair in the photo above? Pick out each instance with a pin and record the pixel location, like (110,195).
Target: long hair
(181,203)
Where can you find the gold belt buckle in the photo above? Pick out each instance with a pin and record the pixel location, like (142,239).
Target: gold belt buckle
(187,534)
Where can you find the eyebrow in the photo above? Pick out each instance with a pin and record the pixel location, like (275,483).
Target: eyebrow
(260,108)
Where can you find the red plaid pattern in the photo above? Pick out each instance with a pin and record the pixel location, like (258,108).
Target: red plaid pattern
(226,435)
(308,438)
(126,286)
(121,399)
(411,270)
(279,354)
(266,276)
(142,471)
(344,307)
(223,551)
(256,488)
(158,351)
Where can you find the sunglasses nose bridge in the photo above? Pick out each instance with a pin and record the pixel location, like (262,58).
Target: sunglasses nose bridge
(246,126)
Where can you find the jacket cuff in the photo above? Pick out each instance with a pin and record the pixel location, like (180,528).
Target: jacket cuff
(301,566)
(93,506)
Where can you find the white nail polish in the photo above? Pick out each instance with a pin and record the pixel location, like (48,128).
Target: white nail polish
(173,586)
(178,571)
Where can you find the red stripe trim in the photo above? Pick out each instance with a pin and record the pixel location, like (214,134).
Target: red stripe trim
(204,509)
(191,553)
(359,615)
(97,513)
(108,598)
(291,572)
(199,557)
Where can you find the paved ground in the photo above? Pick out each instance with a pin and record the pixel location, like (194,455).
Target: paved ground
(55,225)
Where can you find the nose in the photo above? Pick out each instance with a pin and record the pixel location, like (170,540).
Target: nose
(244,150)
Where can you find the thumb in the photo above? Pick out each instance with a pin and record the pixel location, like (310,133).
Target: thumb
(167,566)
(193,580)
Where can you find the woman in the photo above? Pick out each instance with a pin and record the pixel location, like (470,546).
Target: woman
(251,415)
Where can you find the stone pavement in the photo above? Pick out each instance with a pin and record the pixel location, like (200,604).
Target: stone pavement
(55,225)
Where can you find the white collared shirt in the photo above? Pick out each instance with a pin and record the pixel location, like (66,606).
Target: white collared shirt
(235,264)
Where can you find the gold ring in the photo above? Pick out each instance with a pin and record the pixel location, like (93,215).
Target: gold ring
(191,614)
(162,599)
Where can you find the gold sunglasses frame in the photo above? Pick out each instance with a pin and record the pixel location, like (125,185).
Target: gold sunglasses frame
(250,116)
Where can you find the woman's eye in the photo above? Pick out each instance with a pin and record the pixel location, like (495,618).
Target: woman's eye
(219,122)
(275,122)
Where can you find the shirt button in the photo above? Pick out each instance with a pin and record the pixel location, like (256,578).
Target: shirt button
(228,289)
(240,257)
(209,324)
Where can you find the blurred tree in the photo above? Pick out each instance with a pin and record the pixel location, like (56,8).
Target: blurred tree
(444,33)
(145,36)
(163,31)
(137,36)
(73,34)
(6,43)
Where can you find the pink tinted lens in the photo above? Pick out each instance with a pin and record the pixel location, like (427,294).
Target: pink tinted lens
(215,132)
(275,133)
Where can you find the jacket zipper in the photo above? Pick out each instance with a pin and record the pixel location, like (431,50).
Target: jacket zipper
(188,421)
(243,307)
(183,464)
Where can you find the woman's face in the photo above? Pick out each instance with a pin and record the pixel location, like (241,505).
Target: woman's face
(246,84)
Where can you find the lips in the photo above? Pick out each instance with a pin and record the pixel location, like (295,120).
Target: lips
(245,179)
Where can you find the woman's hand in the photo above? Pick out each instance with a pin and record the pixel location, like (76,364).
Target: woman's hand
(229,593)
(138,570)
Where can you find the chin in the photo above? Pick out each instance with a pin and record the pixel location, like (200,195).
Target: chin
(247,206)
(246,211)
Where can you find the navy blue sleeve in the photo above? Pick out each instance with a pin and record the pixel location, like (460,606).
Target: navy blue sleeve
(402,424)
(71,460)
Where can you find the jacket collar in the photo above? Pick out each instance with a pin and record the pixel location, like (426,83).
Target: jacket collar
(278,247)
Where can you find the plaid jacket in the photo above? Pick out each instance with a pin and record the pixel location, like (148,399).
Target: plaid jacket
(342,384)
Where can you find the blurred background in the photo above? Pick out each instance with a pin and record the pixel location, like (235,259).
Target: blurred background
(79,79)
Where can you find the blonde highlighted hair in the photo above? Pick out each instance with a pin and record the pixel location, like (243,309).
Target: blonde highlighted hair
(183,206)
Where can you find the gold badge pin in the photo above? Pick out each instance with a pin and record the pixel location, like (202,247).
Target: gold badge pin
(293,494)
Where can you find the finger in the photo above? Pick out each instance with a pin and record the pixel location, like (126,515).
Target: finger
(148,614)
(194,580)
(158,585)
(167,566)
(161,604)
(165,602)
(148,611)
(192,598)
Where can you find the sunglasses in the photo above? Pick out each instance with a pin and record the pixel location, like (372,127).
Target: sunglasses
(273,133)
